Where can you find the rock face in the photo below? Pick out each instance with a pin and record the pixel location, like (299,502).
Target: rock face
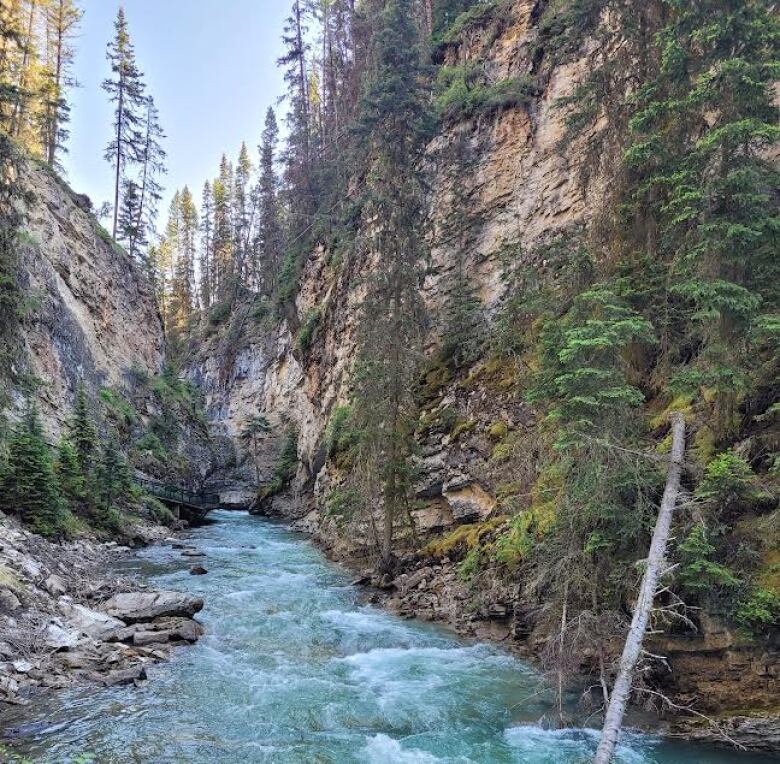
(97,320)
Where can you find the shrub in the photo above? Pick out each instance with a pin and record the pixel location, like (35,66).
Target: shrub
(759,611)
(309,328)
(462,93)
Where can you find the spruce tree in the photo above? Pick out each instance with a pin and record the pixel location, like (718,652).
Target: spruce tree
(270,240)
(206,246)
(152,161)
(28,487)
(393,126)
(71,481)
(126,91)
(83,433)
(114,486)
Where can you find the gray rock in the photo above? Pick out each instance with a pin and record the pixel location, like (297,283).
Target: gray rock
(9,601)
(22,667)
(90,622)
(198,570)
(138,607)
(55,585)
(57,638)
(141,638)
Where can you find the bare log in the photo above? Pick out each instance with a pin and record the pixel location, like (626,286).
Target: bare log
(613,720)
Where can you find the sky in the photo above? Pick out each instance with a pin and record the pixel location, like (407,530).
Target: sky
(210,65)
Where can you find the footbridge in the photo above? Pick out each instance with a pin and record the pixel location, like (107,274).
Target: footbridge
(185,504)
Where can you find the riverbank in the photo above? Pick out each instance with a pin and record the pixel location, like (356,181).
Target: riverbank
(64,619)
(719,688)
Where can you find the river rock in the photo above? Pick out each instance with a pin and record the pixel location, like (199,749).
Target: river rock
(198,570)
(192,553)
(9,601)
(55,585)
(137,607)
(57,638)
(90,622)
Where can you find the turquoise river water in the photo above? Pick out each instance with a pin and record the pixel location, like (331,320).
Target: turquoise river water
(295,669)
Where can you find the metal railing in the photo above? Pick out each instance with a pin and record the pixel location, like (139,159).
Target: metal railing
(178,495)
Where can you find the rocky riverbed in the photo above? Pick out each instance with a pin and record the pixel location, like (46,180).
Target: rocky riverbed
(64,619)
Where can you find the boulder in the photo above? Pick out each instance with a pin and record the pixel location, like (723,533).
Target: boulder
(90,622)
(55,585)
(9,601)
(139,607)
(57,638)
(198,570)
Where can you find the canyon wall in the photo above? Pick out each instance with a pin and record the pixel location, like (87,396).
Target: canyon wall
(93,317)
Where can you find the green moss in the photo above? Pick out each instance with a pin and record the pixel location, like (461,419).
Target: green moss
(498,431)
(463,538)
(9,580)
(502,452)
(462,427)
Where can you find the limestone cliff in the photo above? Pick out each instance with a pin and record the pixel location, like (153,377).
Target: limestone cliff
(93,315)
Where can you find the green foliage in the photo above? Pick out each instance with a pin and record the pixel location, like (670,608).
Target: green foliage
(452,17)
(220,313)
(340,434)
(114,487)
(118,410)
(71,480)
(462,93)
(83,433)
(759,612)
(582,380)
(309,328)
(28,485)
(699,573)
(285,468)
(729,484)
(470,565)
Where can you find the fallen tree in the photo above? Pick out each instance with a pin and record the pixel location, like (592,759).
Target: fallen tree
(632,649)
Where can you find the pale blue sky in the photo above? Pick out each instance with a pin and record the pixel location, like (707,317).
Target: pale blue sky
(210,65)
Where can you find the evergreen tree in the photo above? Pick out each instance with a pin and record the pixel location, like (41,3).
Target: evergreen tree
(223,261)
(62,19)
(152,168)
(71,481)
(393,126)
(28,486)
(83,433)
(206,246)
(242,214)
(114,486)
(126,91)
(130,229)
(270,240)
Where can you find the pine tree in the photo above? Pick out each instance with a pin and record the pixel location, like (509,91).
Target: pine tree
(270,239)
(152,168)
(126,91)
(62,19)
(83,433)
(71,481)
(393,127)
(243,214)
(130,229)
(206,246)
(223,256)
(114,486)
(28,485)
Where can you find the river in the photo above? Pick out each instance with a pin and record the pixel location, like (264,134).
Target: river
(295,669)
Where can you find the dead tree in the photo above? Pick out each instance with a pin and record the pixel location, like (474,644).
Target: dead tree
(636,633)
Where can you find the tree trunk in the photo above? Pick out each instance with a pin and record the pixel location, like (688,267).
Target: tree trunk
(655,560)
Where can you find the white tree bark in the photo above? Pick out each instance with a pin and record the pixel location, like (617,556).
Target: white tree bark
(644,605)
